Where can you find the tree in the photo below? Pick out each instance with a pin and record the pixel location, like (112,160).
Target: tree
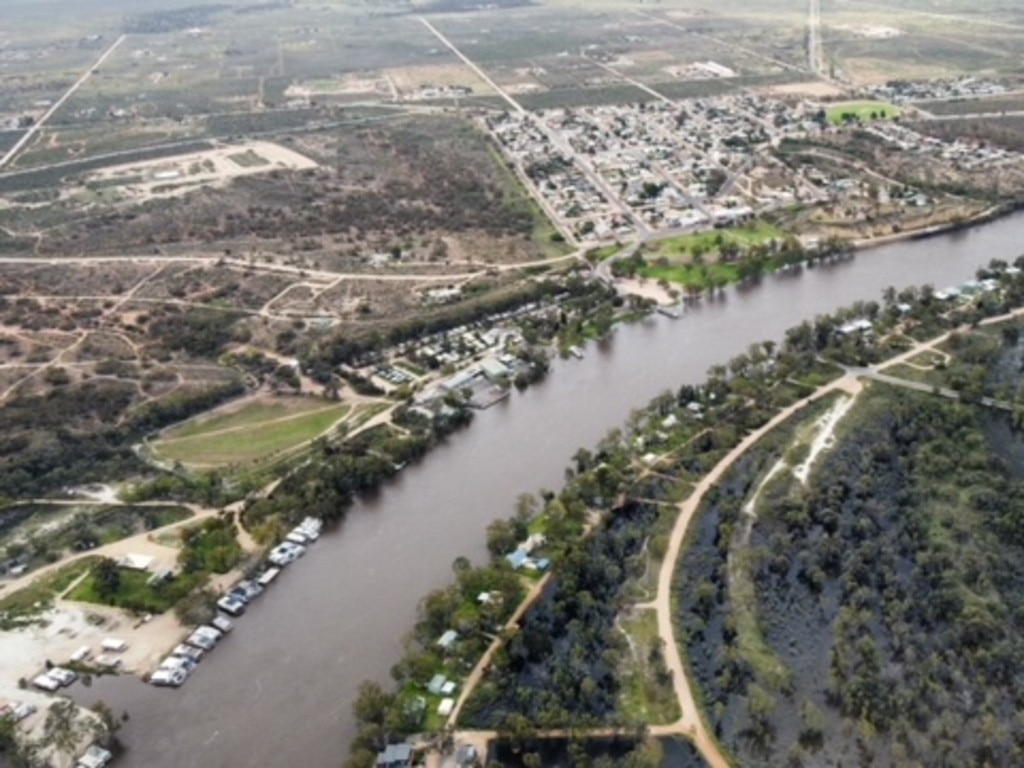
(107,576)
(61,727)
(501,537)
(372,703)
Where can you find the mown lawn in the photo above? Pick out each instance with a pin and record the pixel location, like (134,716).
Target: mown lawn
(250,414)
(250,440)
(710,241)
(135,593)
(700,276)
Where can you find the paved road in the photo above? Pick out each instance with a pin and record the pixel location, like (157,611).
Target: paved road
(815,52)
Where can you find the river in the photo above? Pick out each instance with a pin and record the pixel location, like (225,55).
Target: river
(279,690)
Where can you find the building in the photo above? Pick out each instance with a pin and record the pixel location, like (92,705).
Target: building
(517,559)
(395,756)
(447,640)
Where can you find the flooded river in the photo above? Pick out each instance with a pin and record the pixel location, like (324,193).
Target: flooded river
(279,690)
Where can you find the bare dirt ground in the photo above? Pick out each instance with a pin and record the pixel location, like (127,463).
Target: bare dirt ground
(186,173)
(646,289)
(409,80)
(817,89)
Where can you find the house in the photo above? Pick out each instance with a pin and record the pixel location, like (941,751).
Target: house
(517,559)
(494,370)
(447,640)
(395,756)
(445,707)
(861,325)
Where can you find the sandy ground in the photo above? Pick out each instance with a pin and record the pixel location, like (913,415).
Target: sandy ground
(647,289)
(815,89)
(168,177)
(824,439)
(409,80)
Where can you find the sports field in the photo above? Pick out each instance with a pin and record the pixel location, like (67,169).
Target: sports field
(865,111)
(253,430)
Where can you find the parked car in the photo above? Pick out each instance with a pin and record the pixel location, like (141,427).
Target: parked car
(168,677)
(202,640)
(231,605)
(189,652)
(45,683)
(63,676)
(222,623)
(95,757)
(20,711)
(178,662)
(297,537)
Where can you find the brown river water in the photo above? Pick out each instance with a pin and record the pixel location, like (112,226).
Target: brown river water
(279,690)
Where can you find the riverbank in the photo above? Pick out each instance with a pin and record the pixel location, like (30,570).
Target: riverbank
(990,215)
(692,722)
(398,543)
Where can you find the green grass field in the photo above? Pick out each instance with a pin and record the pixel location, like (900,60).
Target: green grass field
(136,594)
(865,111)
(671,259)
(692,274)
(710,241)
(250,432)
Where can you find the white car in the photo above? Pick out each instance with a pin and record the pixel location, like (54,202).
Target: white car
(188,652)
(286,552)
(231,606)
(222,623)
(201,641)
(297,536)
(20,711)
(170,678)
(178,662)
(63,676)
(45,682)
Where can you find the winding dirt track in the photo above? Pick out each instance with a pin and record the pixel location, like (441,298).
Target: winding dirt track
(690,723)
